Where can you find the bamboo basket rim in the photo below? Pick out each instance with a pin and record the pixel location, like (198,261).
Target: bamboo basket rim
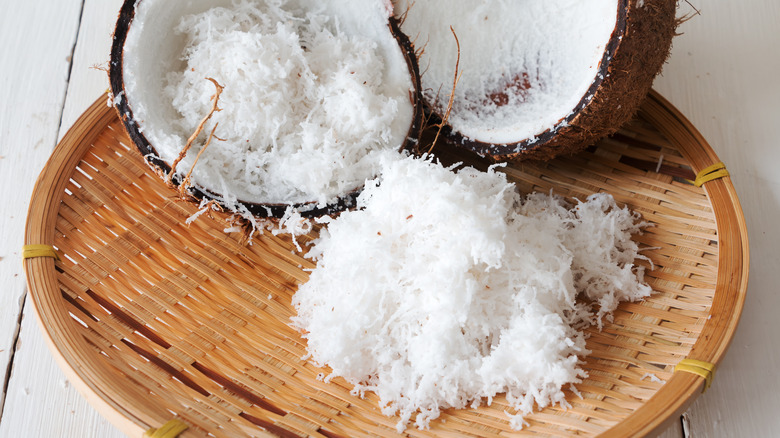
(75,357)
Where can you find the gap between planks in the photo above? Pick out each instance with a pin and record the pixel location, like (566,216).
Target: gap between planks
(23,296)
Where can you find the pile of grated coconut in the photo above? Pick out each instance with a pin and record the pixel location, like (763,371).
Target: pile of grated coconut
(446,288)
(305,107)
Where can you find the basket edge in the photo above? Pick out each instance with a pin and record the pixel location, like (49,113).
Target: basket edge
(41,273)
(684,388)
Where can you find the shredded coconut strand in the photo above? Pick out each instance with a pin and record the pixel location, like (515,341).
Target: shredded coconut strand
(309,96)
(303,84)
(446,288)
(294,224)
(653,378)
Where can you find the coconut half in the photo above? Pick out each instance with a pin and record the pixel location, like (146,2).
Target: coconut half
(313,93)
(538,77)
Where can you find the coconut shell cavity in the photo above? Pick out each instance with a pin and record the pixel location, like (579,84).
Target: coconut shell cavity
(292,101)
(537,78)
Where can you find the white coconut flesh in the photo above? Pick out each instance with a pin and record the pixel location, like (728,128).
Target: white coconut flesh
(446,288)
(313,92)
(525,65)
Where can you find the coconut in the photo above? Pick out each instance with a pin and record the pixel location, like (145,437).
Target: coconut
(536,78)
(265,105)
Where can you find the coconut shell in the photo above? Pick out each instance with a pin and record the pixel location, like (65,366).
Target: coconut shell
(197,194)
(639,46)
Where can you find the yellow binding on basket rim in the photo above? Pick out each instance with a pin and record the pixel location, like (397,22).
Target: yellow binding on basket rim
(171,429)
(698,367)
(709,173)
(38,250)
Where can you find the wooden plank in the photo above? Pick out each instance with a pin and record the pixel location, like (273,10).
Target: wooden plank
(40,401)
(88,81)
(723,76)
(34,66)
(674,431)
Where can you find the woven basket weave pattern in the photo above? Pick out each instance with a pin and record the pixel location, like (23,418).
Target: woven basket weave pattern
(163,319)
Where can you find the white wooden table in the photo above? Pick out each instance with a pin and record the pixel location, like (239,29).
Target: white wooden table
(724,75)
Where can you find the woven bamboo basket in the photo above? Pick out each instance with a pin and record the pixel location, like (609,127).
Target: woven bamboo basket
(154,319)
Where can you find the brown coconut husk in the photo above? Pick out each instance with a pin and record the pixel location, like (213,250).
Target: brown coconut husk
(636,53)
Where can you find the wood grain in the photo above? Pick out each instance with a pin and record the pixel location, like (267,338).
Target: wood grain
(723,76)
(34,65)
(40,401)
